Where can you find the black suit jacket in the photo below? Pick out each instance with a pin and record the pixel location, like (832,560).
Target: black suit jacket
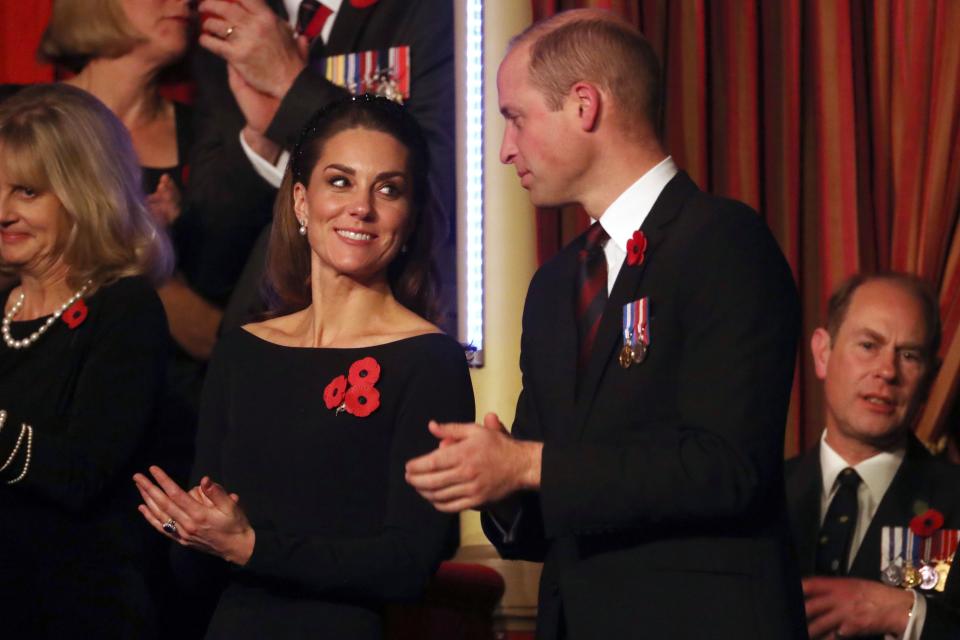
(661,510)
(921,477)
(230,198)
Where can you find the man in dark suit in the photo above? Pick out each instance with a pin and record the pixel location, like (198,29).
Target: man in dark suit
(645,463)
(858,500)
(259,82)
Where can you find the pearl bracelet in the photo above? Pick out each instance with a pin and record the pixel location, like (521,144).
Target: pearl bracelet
(26,462)
(16,448)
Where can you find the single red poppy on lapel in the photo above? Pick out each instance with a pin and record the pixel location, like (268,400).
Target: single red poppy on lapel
(927,523)
(362,400)
(636,248)
(333,394)
(365,371)
(75,314)
(362,4)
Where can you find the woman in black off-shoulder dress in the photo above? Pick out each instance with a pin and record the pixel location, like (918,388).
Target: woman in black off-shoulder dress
(308,418)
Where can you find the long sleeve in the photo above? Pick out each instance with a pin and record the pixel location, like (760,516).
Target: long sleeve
(396,562)
(113,370)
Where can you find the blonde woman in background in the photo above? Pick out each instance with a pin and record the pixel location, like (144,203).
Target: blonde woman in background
(82,358)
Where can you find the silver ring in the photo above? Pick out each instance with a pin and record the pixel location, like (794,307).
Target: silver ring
(228,32)
(170,526)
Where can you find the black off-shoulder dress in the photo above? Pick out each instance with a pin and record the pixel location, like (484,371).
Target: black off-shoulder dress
(339,533)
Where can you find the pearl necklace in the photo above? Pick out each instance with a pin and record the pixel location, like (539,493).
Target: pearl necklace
(33,337)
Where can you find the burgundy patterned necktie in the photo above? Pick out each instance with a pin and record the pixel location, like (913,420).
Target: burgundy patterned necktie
(591,290)
(311,17)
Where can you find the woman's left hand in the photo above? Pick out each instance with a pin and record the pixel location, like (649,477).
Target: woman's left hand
(207,518)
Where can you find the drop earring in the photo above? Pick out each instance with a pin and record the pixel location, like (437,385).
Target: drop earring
(303,227)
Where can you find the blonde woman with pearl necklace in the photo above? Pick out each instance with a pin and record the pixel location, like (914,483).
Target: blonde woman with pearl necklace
(81,367)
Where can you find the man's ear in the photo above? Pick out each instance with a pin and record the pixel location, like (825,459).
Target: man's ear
(587,99)
(820,348)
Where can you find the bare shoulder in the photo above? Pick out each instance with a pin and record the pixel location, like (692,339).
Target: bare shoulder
(407,324)
(280,330)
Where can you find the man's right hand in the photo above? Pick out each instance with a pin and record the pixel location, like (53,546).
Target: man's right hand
(850,607)
(260,46)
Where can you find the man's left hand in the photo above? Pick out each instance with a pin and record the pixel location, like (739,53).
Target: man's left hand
(850,607)
(474,465)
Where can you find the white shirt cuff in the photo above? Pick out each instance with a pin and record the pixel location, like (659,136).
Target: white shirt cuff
(917,617)
(273,174)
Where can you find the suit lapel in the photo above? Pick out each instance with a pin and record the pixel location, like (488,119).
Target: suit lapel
(805,510)
(664,211)
(347,29)
(565,342)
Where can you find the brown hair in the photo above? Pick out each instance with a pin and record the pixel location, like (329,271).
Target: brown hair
(595,46)
(61,139)
(839,303)
(412,275)
(83,29)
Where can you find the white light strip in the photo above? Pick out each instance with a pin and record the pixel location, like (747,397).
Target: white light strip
(474,177)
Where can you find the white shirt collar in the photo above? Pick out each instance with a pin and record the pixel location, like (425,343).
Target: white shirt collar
(630,209)
(876,472)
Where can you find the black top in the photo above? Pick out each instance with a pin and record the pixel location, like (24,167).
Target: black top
(71,540)
(338,530)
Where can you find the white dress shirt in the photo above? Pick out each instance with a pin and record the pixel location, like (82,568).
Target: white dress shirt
(876,474)
(273,173)
(628,211)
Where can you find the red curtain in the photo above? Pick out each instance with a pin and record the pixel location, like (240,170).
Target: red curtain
(21,24)
(839,121)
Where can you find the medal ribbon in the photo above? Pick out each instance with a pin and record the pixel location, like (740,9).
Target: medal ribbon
(643,316)
(628,314)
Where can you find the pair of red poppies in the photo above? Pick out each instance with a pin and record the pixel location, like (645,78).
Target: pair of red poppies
(361,398)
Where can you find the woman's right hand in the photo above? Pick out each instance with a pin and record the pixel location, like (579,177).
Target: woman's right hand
(164,203)
(207,518)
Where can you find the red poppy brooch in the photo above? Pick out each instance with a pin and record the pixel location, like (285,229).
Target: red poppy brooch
(927,523)
(636,248)
(362,4)
(361,398)
(75,314)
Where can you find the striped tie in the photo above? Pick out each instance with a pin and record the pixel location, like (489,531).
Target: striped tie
(311,17)
(591,290)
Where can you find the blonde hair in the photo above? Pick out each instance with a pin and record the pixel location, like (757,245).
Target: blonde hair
(61,139)
(83,29)
(595,46)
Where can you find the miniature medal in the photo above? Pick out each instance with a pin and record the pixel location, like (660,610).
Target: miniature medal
(640,353)
(943,571)
(892,575)
(928,577)
(636,332)
(911,577)
(626,356)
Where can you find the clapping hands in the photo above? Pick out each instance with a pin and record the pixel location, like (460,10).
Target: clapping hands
(206,518)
